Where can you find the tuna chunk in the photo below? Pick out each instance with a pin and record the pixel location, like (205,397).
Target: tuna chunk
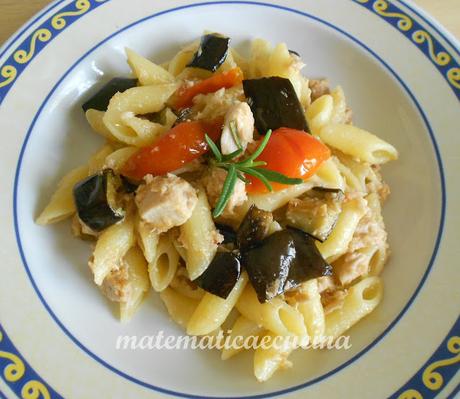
(116,285)
(318,88)
(165,202)
(241,116)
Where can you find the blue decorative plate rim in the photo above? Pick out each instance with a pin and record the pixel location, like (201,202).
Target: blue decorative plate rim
(72,15)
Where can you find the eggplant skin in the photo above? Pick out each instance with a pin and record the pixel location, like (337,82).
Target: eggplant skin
(327,190)
(128,186)
(94,200)
(274,104)
(310,262)
(100,101)
(211,54)
(283,260)
(183,115)
(254,228)
(269,263)
(221,275)
(227,232)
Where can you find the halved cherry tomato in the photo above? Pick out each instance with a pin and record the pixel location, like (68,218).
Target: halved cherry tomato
(227,79)
(291,152)
(179,146)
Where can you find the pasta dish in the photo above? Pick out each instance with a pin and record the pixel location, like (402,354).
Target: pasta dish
(239,190)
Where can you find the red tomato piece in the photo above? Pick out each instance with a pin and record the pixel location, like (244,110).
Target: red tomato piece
(179,146)
(227,79)
(293,153)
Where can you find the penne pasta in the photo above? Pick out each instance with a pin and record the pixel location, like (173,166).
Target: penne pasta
(182,284)
(164,264)
(362,298)
(97,161)
(358,143)
(147,239)
(138,283)
(95,119)
(329,175)
(121,116)
(146,71)
(240,331)
(199,237)
(273,357)
(274,200)
(337,243)
(319,113)
(275,315)
(112,245)
(182,58)
(118,158)
(62,205)
(213,310)
(180,307)
(311,309)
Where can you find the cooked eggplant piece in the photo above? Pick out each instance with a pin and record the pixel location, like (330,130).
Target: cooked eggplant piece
(309,261)
(228,233)
(327,190)
(283,260)
(156,117)
(212,52)
(101,99)
(221,275)
(268,264)
(254,228)
(96,200)
(183,115)
(128,186)
(316,213)
(274,103)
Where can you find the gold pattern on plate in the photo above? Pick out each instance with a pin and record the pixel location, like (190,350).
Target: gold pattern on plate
(433,379)
(453,75)
(441,58)
(58,21)
(404,23)
(35,390)
(410,394)
(8,72)
(23,56)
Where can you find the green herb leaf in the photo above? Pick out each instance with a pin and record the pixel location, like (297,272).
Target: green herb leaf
(241,177)
(227,191)
(258,163)
(277,177)
(234,154)
(259,150)
(249,166)
(213,147)
(260,176)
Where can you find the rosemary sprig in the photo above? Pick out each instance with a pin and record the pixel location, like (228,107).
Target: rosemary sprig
(238,170)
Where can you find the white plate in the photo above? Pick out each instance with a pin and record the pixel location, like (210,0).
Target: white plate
(400,72)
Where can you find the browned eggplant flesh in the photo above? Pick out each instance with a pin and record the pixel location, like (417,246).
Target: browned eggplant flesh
(316,212)
(254,227)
